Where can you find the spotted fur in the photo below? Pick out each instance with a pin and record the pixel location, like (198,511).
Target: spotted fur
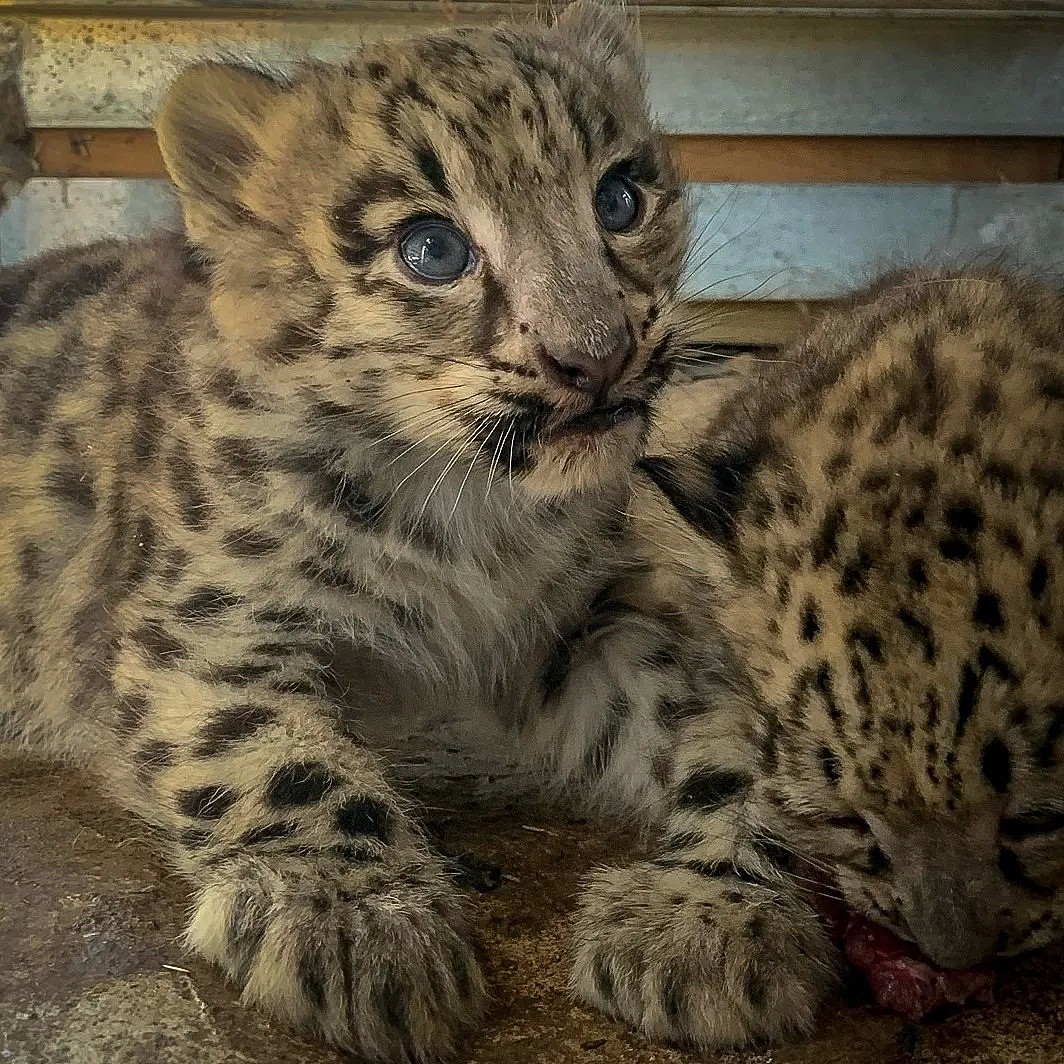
(265,492)
(865,556)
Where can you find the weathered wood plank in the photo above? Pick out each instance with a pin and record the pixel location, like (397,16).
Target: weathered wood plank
(763,322)
(134,153)
(101,153)
(868,160)
(709,74)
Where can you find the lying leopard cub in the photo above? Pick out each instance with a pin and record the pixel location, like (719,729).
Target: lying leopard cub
(876,531)
(383,408)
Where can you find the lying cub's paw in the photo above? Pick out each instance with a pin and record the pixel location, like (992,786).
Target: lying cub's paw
(705,960)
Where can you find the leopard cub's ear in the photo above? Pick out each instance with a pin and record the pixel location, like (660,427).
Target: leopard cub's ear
(608,33)
(209,129)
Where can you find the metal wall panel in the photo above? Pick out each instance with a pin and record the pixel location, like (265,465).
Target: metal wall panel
(709,74)
(819,241)
(51,213)
(756,241)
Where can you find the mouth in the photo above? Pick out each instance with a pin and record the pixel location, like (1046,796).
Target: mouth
(596,421)
(535,424)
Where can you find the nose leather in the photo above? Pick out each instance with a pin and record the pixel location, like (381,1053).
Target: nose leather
(585,370)
(949,925)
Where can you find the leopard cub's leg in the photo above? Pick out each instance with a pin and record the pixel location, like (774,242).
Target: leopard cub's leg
(314,889)
(603,708)
(709,942)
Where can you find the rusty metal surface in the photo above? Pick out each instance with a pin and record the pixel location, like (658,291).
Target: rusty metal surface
(91,970)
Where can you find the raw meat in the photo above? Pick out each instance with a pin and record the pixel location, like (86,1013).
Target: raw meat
(901,979)
(904,981)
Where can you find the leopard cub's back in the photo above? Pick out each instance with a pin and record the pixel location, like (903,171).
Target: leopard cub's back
(91,389)
(911,470)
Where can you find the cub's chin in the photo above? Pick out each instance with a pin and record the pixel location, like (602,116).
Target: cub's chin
(582,456)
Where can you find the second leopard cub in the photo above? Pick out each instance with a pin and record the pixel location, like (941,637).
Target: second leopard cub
(863,555)
(356,446)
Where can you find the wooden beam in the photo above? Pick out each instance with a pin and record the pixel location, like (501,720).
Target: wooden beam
(227,9)
(868,160)
(755,322)
(129,153)
(133,153)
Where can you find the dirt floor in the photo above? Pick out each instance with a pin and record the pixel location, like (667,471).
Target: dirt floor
(91,971)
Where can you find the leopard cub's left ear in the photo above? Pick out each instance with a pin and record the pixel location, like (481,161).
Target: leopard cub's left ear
(608,33)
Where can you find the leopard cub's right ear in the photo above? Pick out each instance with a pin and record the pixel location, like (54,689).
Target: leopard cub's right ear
(607,31)
(209,127)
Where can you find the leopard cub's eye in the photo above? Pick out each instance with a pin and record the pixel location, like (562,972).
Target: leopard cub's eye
(618,202)
(435,251)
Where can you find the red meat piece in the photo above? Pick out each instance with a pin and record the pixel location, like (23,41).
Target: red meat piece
(904,981)
(901,979)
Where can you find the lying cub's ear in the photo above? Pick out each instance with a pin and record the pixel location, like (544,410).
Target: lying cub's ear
(209,130)
(607,32)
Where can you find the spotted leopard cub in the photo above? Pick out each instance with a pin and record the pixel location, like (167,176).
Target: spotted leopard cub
(355,448)
(876,532)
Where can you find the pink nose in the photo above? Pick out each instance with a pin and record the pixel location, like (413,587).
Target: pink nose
(579,370)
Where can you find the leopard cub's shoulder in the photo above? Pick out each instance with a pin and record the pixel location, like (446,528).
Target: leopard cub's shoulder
(921,416)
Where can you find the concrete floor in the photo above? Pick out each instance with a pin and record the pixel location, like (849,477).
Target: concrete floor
(91,971)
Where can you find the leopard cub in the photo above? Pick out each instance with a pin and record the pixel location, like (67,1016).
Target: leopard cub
(353,446)
(864,556)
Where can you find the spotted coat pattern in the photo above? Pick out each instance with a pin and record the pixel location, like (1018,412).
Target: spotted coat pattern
(866,547)
(264,489)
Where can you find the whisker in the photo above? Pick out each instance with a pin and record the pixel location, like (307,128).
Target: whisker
(698,293)
(498,454)
(728,356)
(410,423)
(697,242)
(451,360)
(450,465)
(422,391)
(469,471)
(513,437)
(435,430)
(421,465)
(471,405)
(731,240)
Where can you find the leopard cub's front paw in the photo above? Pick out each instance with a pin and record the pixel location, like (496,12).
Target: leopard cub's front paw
(375,960)
(703,960)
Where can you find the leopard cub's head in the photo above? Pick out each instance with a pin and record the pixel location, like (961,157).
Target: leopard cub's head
(464,245)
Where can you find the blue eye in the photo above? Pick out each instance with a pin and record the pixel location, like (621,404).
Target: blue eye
(435,252)
(618,203)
